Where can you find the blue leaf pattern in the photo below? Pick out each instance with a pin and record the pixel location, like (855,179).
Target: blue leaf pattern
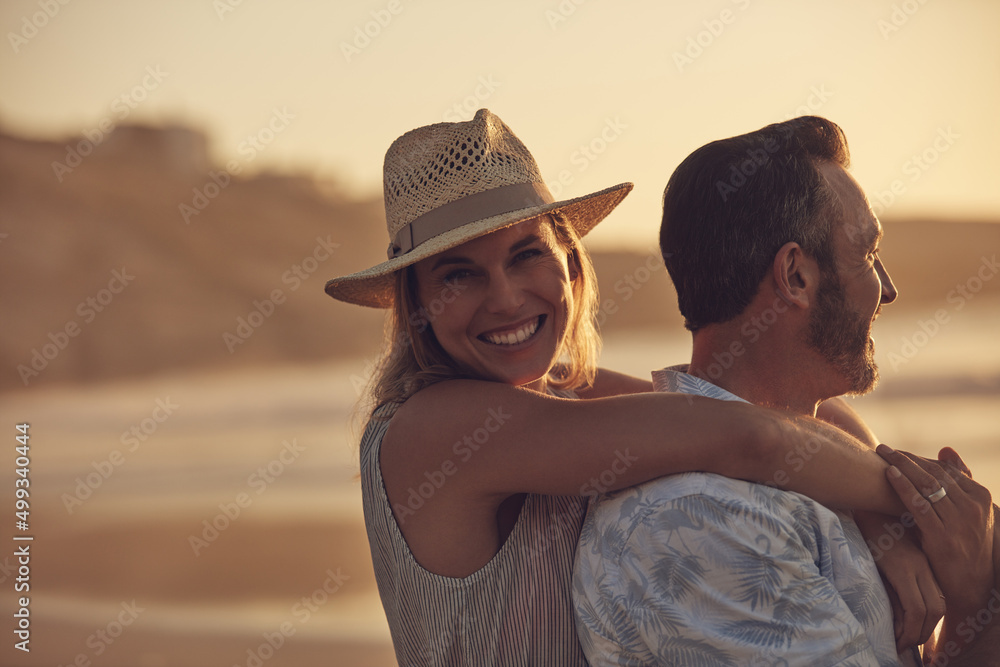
(698,569)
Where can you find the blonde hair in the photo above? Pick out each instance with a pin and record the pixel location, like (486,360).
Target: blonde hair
(413,359)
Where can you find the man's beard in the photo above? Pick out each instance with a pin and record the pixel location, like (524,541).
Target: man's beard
(842,336)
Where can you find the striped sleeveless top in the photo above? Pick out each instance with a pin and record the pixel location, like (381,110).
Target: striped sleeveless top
(515,610)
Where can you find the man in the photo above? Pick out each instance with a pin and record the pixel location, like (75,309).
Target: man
(773,250)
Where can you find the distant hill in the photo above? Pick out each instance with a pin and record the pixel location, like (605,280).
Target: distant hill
(137,256)
(120,210)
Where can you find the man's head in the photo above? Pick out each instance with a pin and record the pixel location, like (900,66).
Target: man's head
(741,211)
(733,203)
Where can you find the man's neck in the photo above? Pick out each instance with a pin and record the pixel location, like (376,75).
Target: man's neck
(769,371)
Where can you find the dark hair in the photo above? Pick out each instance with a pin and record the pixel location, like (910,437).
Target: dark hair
(730,206)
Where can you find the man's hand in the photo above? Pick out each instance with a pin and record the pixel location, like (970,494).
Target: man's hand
(957,533)
(917,601)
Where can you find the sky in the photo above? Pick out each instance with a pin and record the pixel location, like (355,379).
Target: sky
(601,92)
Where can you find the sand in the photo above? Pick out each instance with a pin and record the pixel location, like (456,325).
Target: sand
(215,554)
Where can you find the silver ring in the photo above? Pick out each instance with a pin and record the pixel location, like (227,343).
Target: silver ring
(937,495)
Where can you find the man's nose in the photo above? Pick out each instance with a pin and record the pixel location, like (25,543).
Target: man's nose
(889,292)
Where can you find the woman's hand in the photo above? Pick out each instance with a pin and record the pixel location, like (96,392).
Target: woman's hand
(956,526)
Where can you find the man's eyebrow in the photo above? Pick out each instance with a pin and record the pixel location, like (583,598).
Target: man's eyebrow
(878,236)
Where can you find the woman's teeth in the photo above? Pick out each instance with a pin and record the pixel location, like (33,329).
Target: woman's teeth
(514,337)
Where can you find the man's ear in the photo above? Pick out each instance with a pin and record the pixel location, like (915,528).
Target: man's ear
(796,275)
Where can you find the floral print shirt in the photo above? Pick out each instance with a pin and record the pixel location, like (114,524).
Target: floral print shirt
(699,569)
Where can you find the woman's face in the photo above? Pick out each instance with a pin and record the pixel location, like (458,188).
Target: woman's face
(499,304)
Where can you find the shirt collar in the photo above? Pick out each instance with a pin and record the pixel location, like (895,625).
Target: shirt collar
(675,379)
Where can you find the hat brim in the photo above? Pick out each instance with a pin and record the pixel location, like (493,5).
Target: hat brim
(374,287)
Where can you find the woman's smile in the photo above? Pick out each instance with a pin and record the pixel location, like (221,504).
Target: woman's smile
(511,336)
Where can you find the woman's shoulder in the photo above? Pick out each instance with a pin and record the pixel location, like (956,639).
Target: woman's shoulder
(454,406)
(613,383)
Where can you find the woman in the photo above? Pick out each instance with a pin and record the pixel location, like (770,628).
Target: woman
(475,467)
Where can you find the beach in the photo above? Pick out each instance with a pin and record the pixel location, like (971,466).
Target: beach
(215,518)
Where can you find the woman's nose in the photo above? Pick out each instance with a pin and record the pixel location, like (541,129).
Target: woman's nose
(504,294)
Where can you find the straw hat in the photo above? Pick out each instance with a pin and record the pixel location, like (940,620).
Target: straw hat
(449,183)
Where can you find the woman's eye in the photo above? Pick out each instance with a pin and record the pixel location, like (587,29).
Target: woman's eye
(456,275)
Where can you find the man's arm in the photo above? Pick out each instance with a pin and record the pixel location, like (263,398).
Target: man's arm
(840,413)
(917,605)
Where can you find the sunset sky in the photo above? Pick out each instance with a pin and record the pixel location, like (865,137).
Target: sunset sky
(600,91)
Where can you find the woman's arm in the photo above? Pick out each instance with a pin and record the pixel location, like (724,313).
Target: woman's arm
(500,440)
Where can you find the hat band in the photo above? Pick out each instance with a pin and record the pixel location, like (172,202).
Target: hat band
(461,212)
